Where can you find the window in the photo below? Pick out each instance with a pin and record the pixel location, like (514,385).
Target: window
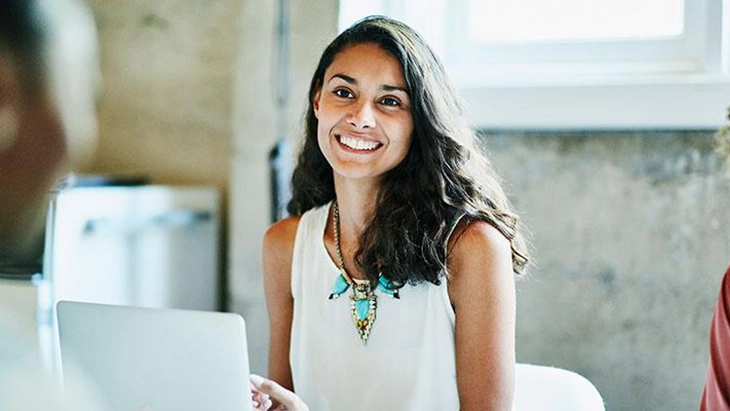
(539,21)
(589,64)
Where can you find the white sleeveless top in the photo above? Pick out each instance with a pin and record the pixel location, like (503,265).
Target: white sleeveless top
(409,360)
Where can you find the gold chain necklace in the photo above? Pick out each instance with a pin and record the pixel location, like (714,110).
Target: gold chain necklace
(338,248)
(363,301)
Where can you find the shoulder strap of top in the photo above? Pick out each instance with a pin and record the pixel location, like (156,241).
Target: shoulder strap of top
(308,238)
(455,223)
(445,287)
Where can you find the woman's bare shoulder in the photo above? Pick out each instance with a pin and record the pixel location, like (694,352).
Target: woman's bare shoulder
(479,254)
(479,237)
(280,236)
(278,251)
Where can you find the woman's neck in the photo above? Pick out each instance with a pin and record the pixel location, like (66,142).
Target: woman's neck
(356,201)
(356,204)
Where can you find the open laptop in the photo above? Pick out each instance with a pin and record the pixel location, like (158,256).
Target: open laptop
(157,359)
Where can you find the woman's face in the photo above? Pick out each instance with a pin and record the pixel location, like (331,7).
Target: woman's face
(364,113)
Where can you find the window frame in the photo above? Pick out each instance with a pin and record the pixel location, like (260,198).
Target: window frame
(690,93)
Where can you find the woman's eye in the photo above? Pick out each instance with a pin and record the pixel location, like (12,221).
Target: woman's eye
(390,102)
(343,93)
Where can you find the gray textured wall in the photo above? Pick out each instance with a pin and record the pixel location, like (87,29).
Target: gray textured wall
(631,236)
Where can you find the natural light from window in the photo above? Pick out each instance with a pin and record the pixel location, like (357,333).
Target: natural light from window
(577,64)
(499,21)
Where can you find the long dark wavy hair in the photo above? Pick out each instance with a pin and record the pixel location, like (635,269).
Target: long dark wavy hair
(443,177)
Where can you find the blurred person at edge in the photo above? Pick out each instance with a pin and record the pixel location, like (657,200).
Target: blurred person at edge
(48,74)
(716,394)
(34,150)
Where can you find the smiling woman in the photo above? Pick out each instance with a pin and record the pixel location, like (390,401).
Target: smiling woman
(364,113)
(392,284)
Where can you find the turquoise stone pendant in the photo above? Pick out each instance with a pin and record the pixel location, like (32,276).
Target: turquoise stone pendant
(363,302)
(364,305)
(339,287)
(385,286)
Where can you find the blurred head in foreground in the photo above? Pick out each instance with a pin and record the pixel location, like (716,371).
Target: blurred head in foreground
(48,77)
(33,152)
(32,139)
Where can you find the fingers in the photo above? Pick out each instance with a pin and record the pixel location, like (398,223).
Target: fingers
(286,398)
(261,406)
(260,400)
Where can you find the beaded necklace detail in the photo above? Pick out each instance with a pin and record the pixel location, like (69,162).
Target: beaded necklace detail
(363,299)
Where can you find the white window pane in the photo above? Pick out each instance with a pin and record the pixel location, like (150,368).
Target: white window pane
(495,21)
(352,11)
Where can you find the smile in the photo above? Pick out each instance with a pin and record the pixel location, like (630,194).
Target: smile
(358,143)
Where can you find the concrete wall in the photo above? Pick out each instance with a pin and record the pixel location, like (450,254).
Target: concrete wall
(166,101)
(257,126)
(631,237)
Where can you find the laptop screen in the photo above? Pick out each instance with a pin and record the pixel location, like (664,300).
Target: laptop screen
(157,359)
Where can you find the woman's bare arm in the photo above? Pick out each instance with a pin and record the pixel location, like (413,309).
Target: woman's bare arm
(482,291)
(277,260)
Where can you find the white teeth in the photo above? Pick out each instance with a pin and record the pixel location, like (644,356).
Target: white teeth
(357,144)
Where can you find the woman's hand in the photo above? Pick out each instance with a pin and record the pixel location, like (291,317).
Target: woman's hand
(264,390)
(259,400)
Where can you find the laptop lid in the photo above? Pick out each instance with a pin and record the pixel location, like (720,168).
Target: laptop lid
(158,359)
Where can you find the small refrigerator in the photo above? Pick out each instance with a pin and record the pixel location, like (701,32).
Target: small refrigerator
(150,246)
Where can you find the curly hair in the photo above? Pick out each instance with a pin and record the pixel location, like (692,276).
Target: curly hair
(443,177)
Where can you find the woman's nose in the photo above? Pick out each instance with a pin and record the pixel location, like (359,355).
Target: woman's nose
(362,116)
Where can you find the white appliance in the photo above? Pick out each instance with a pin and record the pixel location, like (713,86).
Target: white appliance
(147,246)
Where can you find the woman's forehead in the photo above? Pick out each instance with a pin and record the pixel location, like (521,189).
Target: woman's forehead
(366,62)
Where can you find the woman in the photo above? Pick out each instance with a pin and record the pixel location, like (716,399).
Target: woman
(392,285)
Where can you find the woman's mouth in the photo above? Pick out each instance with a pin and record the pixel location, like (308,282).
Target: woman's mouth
(358,144)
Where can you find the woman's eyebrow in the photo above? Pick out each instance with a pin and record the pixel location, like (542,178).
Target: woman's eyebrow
(346,78)
(388,88)
(354,82)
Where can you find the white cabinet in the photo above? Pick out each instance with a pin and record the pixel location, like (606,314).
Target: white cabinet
(151,246)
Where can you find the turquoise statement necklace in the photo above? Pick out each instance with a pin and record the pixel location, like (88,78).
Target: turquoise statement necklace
(363,302)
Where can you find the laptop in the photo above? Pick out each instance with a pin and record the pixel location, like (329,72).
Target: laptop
(157,359)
